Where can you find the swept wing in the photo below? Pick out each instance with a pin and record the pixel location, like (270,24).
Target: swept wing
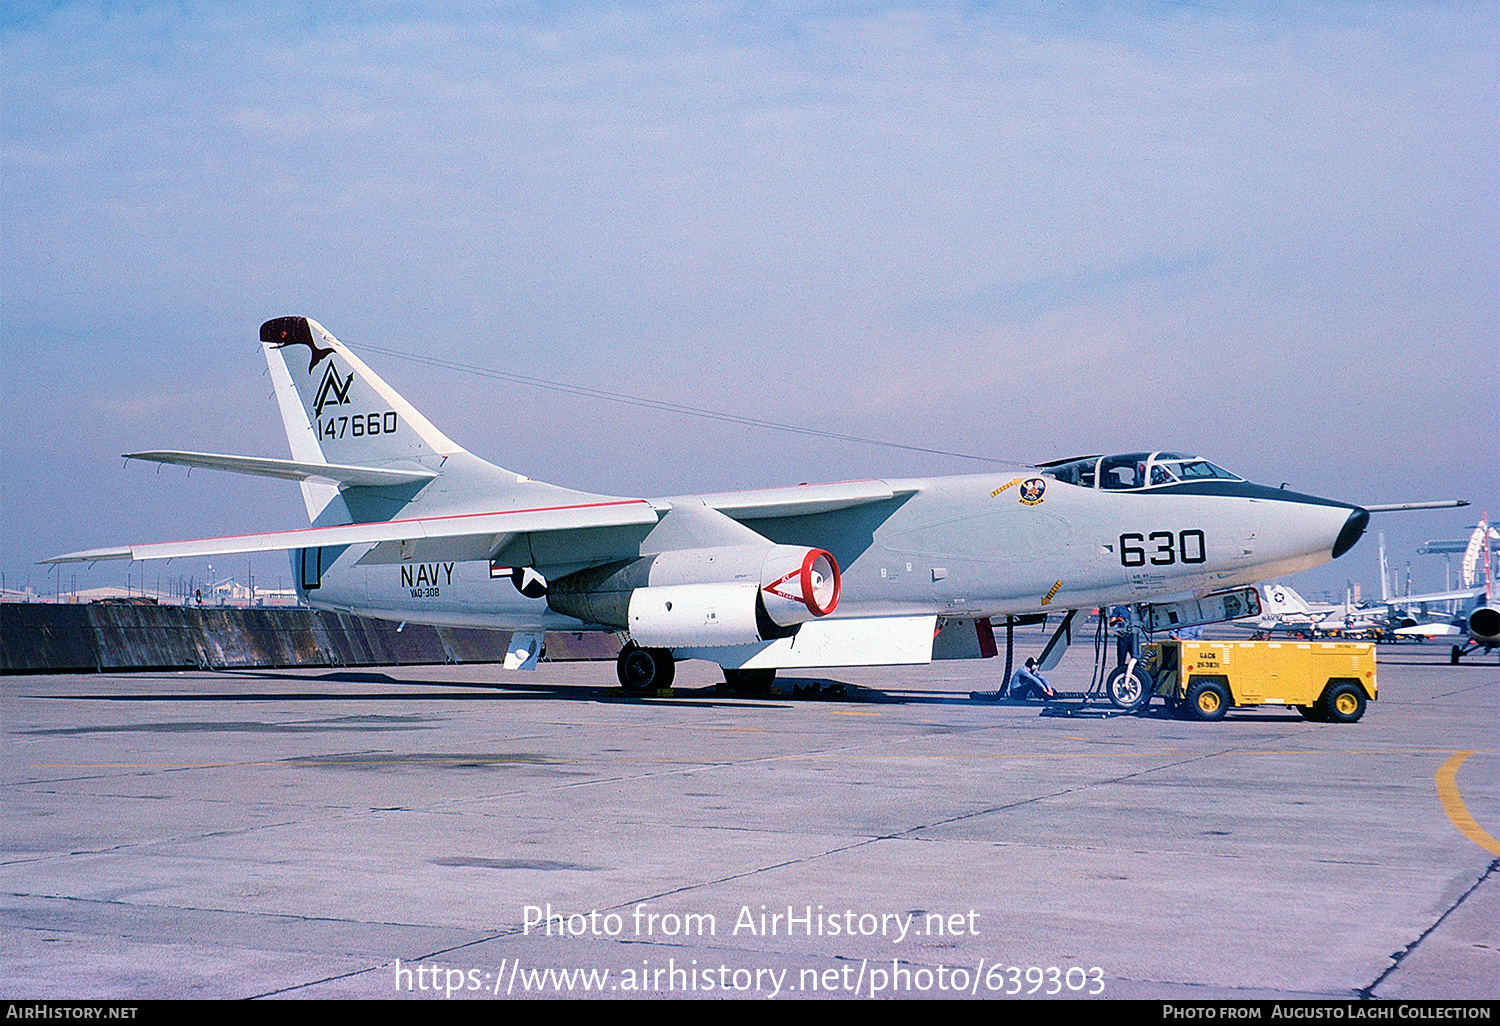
(463,536)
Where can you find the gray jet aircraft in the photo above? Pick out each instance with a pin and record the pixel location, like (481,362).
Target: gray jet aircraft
(1480,621)
(408,525)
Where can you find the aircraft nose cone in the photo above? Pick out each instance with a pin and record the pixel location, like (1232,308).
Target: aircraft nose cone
(1354,528)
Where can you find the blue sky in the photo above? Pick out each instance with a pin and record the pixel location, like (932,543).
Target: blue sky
(1028,231)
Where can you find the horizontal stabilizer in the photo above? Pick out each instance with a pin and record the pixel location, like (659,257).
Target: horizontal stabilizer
(466,533)
(290,470)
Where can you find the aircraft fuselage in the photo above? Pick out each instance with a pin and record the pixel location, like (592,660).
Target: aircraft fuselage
(967,546)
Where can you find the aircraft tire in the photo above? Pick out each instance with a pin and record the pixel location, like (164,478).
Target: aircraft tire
(749,682)
(1343,702)
(644,669)
(1453,658)
(1207,701)
(1128,692)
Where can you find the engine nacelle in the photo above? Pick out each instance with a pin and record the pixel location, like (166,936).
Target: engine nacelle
(723,595)
(694,614)
(1484,625)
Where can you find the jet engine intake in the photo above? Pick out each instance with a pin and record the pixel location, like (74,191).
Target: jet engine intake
(795,591)
(1484,625)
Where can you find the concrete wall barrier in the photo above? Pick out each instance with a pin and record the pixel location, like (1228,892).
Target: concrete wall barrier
(43,638)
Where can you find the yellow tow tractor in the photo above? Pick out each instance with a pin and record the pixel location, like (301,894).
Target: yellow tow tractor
(1325,681)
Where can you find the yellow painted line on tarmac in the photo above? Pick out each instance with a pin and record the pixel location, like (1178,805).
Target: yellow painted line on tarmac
(1453,804)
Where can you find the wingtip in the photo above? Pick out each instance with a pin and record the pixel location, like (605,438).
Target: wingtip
(89,556)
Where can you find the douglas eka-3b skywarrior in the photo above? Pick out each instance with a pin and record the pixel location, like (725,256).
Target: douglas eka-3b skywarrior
(407,525)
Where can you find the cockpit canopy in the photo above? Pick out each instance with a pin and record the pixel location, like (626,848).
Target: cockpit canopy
(1135,471)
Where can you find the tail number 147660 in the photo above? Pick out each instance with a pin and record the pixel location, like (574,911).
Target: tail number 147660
(358,425)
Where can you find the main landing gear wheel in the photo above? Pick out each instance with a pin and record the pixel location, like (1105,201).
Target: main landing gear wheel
(1207,700)
(749,682)
(1128,691)
(1343,702)
(644,669)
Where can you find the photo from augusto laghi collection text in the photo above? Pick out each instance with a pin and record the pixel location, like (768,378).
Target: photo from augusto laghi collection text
(1405,1010)
(862,977)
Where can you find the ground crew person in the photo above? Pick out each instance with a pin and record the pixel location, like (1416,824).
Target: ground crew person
(1028,682)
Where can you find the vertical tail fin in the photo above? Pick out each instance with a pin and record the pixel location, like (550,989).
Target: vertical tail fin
(1280,600)
(1385,586)
(336,410)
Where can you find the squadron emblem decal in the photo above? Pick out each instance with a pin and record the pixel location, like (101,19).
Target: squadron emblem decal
(1033,491)
(331,392)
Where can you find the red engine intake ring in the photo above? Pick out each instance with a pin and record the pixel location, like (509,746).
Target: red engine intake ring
(809,597)
(806,590)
